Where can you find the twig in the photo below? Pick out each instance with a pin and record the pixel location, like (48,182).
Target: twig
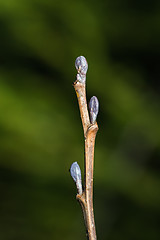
(90,128)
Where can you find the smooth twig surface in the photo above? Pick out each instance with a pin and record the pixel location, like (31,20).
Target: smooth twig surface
(80,89)
(90,130)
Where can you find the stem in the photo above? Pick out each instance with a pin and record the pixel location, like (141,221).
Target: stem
(90,130)
(80,89)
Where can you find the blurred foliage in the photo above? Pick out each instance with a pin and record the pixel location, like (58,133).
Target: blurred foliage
(40,128)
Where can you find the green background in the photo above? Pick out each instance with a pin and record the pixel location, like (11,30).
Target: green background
(40,127)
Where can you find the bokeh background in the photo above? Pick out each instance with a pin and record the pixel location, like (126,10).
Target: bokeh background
(40,127)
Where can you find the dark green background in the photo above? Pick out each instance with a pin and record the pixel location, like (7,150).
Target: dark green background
(40,127)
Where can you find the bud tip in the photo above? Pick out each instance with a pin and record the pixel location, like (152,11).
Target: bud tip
(82,67)
(93,109)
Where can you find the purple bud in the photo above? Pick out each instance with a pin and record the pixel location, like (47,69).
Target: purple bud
(82,67)
(76,175)
(93,109)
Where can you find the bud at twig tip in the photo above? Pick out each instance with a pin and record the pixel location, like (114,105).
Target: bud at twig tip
(82,67)
(93,109)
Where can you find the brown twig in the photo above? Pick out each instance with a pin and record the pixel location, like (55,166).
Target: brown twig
(80,89)
(90,130)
